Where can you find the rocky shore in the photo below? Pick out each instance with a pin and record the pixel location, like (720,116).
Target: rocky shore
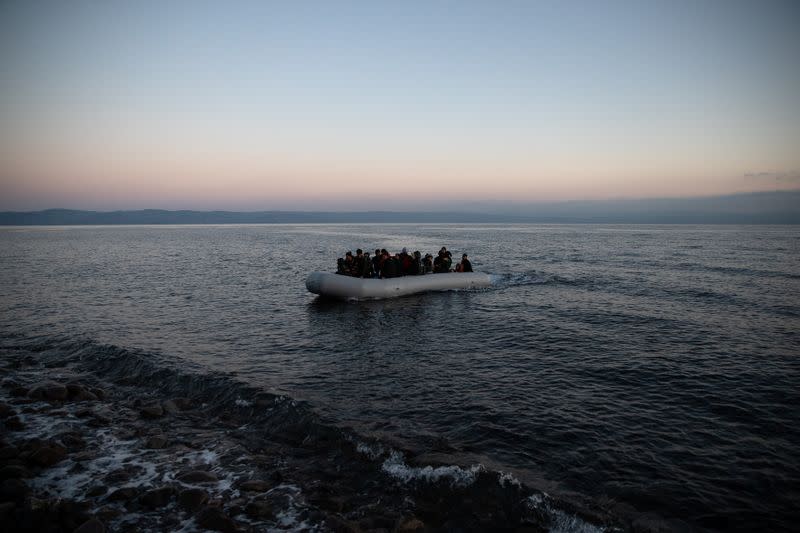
(87,452)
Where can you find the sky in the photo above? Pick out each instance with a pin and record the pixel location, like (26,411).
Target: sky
(393,105)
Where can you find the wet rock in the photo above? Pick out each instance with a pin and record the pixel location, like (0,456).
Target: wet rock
(156,442)
(72,514)
(198,476)
(377,522)
(157,497)
(255,485)
(20,391)
(78,393)
(93,525)
(338,524)
(118,476)
(192,499)
(83,456)
(100,393)
(184,404)
(409,524)
(97,490)
(151,411)
(13,423)
(8,452)
(6,510)
(260,510)
(50,391)
(48,454)
(6,410)
(215,519)
(13,490)
(14,472)
(72,440)
(108,513)
(123,494)
(170,407)
(101,418)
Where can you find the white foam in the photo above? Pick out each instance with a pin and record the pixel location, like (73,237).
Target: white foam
(507,479)
(397,468)
(561,521)
(243,403)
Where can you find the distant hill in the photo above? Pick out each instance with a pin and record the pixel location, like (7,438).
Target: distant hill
(751,208)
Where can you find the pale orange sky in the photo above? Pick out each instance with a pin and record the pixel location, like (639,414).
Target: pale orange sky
(110,107)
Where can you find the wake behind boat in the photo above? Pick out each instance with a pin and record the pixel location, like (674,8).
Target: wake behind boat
(347,287)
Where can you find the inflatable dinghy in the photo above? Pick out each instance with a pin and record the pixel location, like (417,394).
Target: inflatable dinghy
(339,286)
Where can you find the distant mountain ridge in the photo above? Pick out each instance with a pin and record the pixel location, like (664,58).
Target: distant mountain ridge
(752,208)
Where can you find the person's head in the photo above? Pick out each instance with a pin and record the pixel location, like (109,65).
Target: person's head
(348,256)
(366,254)
(359,252)
(384,251)
(443,250)
(377,252)
(464,256)
(448,254)
(405,250)
(417,254)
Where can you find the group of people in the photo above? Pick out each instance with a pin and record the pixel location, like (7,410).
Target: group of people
(385,265)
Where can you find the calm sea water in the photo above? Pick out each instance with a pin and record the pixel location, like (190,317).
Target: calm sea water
(657,367)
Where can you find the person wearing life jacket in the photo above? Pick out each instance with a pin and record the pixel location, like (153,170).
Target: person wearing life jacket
(389,269)
(415,268)
(466,266)
(366,269)
(427,264)
(405,261)
(376,264)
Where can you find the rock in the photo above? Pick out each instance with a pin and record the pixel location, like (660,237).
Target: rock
(259,510)
(410,524)
(156,442)
(19,391)
(93,525)
(184,404)
(48,454)
(14,472)
(108,512)
(72,440)
(6,508)
(97,490)
(117,477)
(6,410)
(79,393)
(72,514)
(151,411)
(192,499)
(170,407)
(254,485)
(8,452)
(123,494)
(338,524)
(214,518)
(13,423)
(157,497)
(101,418)
(100,393)
(198,476)
(50,391)
(13,490)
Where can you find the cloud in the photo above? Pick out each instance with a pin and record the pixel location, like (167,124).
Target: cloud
(777,176)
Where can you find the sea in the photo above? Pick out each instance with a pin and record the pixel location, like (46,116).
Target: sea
(651,370)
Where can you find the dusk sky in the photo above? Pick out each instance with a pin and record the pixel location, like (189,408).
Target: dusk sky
(363,105)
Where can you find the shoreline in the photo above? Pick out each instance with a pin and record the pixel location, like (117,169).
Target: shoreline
(94,450)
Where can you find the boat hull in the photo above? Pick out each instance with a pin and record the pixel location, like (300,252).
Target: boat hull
(347,287)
